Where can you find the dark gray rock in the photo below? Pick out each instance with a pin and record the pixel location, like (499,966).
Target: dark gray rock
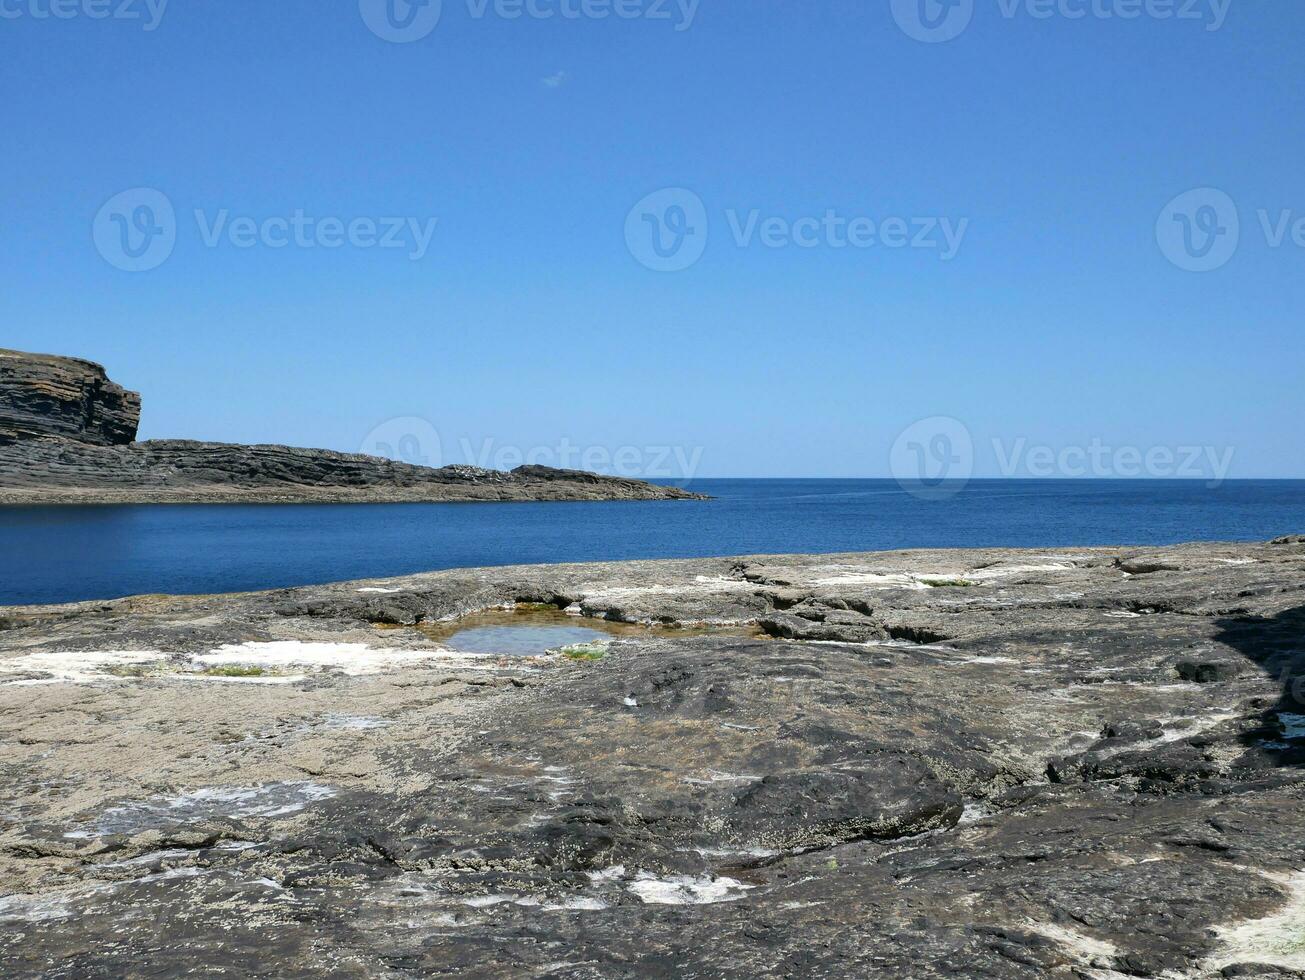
(880,797)
(66,436)
(1041,795)
(43,395)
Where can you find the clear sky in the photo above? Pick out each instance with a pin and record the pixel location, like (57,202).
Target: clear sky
(1033,158)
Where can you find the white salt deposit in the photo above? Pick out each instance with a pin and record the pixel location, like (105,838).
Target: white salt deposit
(1277,939)
(350,658)
(76,666)
(685,889)
(1084,947)
(891,580)
(206,803)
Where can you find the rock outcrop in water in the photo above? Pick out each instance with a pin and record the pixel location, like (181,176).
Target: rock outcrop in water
(991,764)
(67,431)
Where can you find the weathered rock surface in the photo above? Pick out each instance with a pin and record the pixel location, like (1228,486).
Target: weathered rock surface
(179,471)
(43,395)
(1044,787)
(66,436)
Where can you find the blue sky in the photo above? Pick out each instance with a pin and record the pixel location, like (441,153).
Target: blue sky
(1051,143)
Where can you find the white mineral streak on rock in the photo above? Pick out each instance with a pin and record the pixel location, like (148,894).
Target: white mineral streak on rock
(701,585)
(711,776)
(578,904)
(853,575)
(45,907)
(489,901)
(685,889)
(1006,571)
(206,803)
(849,575)
(349,658)
(273,679)
(354,659)
(1277,939)
(76,666)
(615,873)
(1087,949)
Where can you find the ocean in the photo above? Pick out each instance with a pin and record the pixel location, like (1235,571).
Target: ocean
(64,554)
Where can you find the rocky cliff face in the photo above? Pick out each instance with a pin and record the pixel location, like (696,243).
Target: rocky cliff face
(67,431)
(42,395)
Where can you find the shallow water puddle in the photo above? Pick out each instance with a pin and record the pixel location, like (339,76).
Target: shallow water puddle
(530,631)
(1293,725)
(521,641)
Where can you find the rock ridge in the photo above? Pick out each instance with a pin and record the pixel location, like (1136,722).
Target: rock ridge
(67,437)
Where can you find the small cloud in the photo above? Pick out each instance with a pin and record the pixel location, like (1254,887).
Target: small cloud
(554,80)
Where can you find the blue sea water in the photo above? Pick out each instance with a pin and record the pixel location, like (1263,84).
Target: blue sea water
(62,554)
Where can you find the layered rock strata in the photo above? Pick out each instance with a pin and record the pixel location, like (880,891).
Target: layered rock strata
(66,436)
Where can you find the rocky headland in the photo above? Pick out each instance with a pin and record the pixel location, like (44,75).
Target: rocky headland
(67,436)
(1084,763)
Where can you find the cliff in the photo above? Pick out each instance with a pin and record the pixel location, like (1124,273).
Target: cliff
(43,395)
(67,431)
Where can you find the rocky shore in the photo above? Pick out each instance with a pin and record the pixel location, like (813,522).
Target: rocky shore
(67,436)
(1003,764)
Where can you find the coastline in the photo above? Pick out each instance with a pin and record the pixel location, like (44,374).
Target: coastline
(70,497)
(802,744)
(68,436)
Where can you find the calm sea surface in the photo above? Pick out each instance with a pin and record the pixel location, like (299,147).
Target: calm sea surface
(61,554)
